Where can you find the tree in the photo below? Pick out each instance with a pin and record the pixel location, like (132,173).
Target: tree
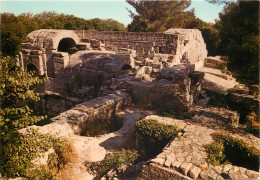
(157,16)
(239,39)
(14,29)
(16,90)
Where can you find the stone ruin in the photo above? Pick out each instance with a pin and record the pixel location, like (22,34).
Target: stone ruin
(95,75)
(82,65)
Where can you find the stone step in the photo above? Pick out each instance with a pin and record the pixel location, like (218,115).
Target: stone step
(215,60)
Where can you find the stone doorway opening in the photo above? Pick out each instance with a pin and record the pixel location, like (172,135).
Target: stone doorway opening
(66,45)
(31,68)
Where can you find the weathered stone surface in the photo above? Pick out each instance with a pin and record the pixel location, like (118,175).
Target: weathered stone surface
(194,172)
(185,167)
(158,161)
(227,168)
(190,154)
(252,174)
(177,72)
(169,159)
(154,171)
(176,165)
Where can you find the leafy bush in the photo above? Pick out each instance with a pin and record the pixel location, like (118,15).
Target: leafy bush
(177,115)
(226,148)
(153,136)
(113,160)
(20,149)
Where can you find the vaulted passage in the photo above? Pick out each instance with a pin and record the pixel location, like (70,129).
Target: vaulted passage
(32,69)
(66,44)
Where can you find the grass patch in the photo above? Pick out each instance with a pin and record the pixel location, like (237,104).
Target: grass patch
(153,136)
(227,149)
(113,160)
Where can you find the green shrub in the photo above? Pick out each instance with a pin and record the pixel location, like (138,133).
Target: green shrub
(153,136)
(226,148)
(113,160)
(20,149)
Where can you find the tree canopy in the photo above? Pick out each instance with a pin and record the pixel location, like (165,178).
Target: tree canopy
(14,29)
(157,16)
(239,39)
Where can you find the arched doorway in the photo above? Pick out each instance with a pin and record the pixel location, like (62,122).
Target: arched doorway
(31,68)
(66,44)
(126,67)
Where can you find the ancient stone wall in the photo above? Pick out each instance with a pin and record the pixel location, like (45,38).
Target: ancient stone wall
(101,108)
(144,43)
(176,89)
(184,45)
(86,64)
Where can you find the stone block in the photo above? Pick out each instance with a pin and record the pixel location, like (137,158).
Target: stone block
(185,167)
(169,159)
(227,168)
(176,165)
(252,174)
(158,161)
(194,172)
(218,169)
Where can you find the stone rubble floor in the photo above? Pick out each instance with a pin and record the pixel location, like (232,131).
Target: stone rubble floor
(187,154)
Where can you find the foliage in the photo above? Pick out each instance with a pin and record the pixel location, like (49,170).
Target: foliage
(64,153)
(114,160)
(153,136)
(210,35)
(239,34)
(16,90)
(176,115)
(14,29)
(158,16)
(226,148)
(215,153)
(20,149)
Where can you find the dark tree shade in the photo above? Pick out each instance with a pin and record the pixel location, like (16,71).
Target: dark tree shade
(239,35)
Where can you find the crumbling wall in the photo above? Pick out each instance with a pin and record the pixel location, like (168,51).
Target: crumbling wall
(176,89)
(183,45)
(101,108)
(145,43)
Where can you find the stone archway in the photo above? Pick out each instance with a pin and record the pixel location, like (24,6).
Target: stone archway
(126,67)
(66,44)
(32,68)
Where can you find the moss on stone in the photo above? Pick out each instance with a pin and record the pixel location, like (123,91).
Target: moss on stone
(227,149)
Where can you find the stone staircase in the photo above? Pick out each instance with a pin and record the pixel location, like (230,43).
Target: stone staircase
(217,77)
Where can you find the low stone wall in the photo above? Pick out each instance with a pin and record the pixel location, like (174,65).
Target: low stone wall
(188,156)
(101,108)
